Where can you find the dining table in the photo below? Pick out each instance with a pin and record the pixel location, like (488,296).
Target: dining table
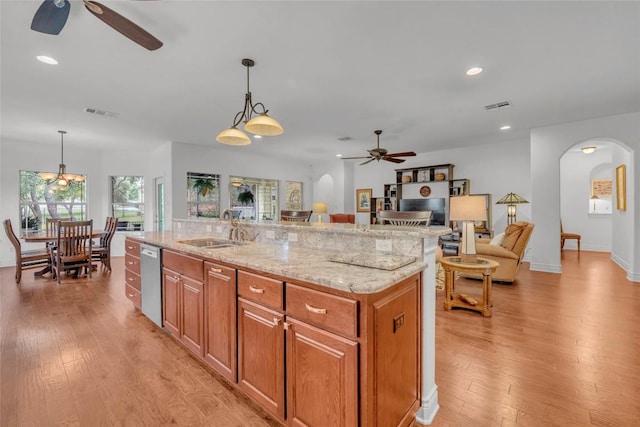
(44,236)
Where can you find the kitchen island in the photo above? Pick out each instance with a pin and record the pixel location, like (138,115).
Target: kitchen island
(297,327)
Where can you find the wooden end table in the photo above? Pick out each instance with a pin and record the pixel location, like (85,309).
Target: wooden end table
(479,265)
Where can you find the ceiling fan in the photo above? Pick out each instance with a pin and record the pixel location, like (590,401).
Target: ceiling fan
(381,154)
(52,15)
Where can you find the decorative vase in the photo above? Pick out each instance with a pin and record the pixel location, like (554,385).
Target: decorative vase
(439,176)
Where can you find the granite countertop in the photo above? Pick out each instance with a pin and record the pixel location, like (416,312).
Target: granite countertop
(300,263)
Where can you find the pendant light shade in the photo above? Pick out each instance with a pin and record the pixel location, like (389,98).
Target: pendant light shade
(233,136)
(262,124)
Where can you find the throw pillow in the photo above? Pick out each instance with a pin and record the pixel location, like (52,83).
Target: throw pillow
(512,234)
(497,240)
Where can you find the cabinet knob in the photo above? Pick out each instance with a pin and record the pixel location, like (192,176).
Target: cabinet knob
(256,290)
(315,310)
(276,321)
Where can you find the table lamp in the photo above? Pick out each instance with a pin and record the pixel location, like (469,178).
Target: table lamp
(511,200)
(468,209)
(319,208)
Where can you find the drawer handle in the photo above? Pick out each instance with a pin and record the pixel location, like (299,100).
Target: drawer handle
(216,270)
(256,290)
(130,279)
(315,310)
(131,295)
(129,247)
(130,262)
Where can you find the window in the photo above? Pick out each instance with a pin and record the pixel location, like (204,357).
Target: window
(39,200)
(127,202)
(203,195)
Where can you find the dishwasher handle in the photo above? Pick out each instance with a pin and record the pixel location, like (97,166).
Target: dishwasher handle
(149,252)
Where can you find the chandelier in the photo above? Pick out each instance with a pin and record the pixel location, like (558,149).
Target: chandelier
(62,178)
(261,124)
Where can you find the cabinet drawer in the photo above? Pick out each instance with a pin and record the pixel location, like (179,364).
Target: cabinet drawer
(324,310)
(184,264)
(132,263)
(260,289)
(133,294)
(132,279)
(132,247)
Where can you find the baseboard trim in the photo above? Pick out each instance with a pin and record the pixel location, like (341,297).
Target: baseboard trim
(622,263)
(547,268)
(427,412)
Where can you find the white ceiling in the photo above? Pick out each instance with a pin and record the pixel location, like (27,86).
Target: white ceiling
(324,69)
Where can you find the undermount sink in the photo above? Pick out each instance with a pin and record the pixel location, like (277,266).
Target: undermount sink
(211,243)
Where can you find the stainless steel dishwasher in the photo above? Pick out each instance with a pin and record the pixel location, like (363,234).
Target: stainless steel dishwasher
(151,282)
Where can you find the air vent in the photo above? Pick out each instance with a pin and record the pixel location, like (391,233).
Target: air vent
(345,138)
(100,112)
(497,105)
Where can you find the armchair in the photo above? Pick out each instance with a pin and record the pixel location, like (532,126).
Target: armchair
(508,252)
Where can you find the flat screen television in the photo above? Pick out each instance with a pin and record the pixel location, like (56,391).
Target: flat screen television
(435,205)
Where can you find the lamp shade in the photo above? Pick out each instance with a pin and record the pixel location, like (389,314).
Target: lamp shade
(511,199)
(233,136)
(264,125)
(467,208)
(319,207)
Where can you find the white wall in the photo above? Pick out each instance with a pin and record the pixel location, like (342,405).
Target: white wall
(547,147)
(576,172)
(496,169)
(226,162)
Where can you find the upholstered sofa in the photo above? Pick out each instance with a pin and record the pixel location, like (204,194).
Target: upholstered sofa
(343,218)
(508,250)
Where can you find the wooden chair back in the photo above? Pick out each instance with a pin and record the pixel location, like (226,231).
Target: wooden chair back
(110,227)
(408,218)
(296,216)
(74,245)
(24,259)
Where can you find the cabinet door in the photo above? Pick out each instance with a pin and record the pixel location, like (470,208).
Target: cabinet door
(322,377)
(220,319)
(192,314)
(261,355)
(171,301)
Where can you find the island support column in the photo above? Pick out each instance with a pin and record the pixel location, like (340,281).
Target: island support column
(429,404)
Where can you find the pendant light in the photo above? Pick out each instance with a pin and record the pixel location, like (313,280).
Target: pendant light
(262,124)
(62,178)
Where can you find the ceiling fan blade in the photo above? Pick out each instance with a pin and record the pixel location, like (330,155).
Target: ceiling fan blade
(352,158)
(49,18)
(123,25)
(392,159)
(368,161)
(405,154)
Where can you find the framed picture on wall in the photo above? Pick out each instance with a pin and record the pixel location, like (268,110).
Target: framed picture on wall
(293,195)
(621,188)
(363,199)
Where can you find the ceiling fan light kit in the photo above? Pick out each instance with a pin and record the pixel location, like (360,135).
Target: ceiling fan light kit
(52,15)
(262,124)
(378,154)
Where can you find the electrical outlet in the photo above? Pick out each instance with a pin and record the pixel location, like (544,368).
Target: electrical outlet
(383,245)
(209,228)
(218,229)
(292,237)
(271,234)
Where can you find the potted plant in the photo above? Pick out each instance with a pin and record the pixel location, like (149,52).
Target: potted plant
(245,197)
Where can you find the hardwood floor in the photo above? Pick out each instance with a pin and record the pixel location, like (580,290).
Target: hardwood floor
(559,350)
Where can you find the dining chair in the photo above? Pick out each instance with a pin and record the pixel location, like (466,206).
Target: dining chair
(568,236)
(102,251)
(405,218)
(73,248)
(295,216)
(25,259)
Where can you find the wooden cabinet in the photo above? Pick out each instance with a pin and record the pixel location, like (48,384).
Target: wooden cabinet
(132,288)
(220,350)
(321,364)
(183,299)
(261,363)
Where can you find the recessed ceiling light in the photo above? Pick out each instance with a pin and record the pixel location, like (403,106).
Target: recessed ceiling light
(505,127)
(257,136)
(338,155)
(47,60)
(474,71)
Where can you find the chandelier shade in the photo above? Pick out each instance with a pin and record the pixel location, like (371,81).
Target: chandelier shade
(62,178)
(262,124)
